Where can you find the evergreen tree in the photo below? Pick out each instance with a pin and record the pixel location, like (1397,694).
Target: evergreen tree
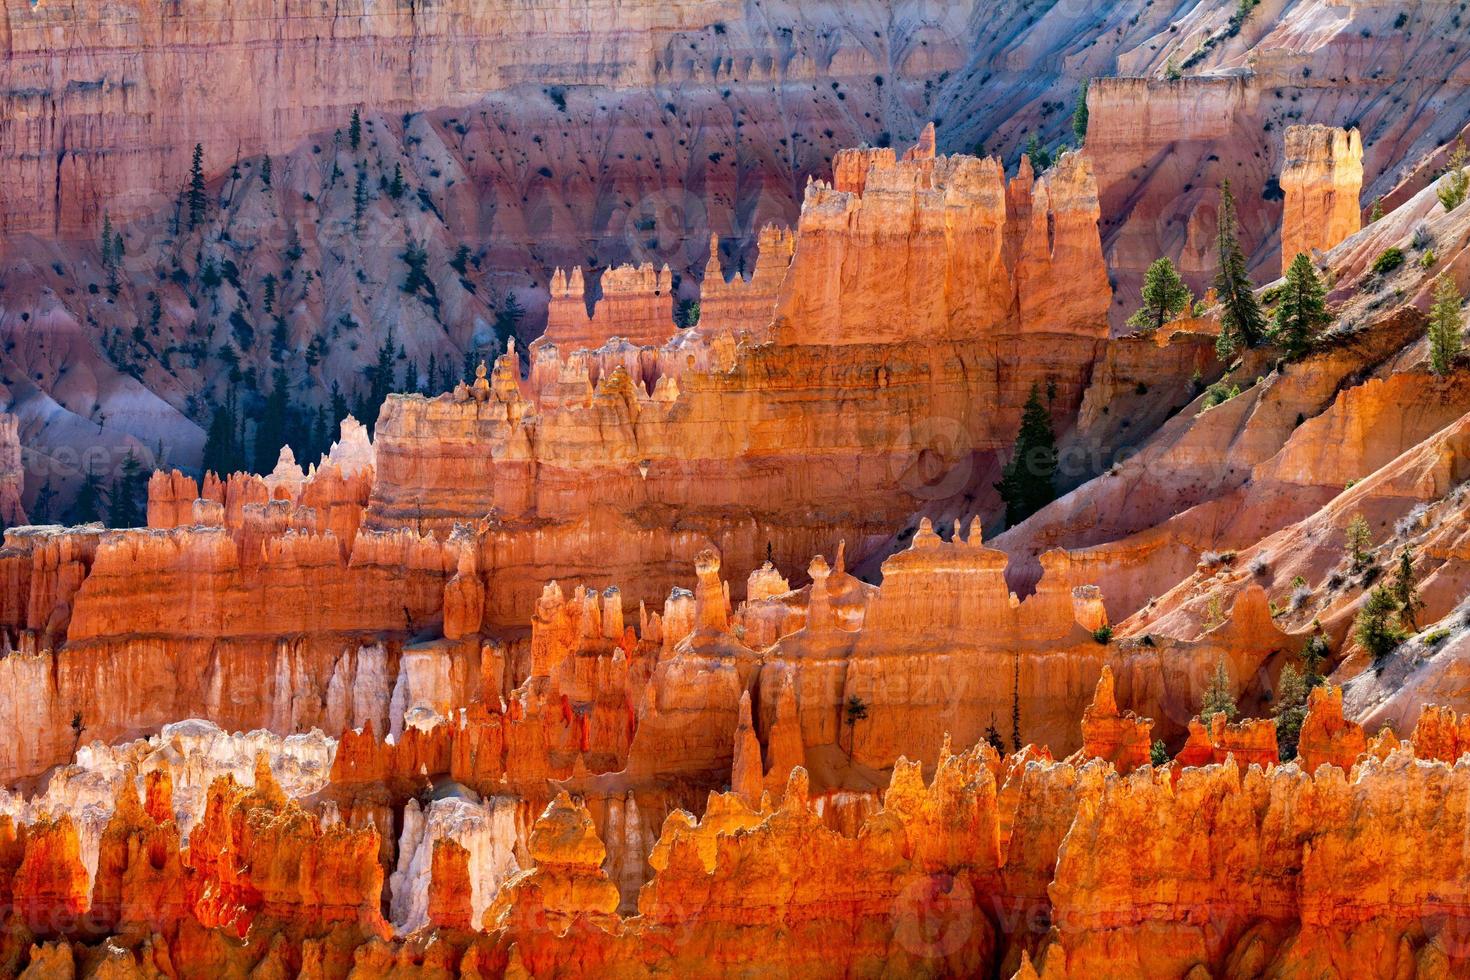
(1405,589)
(461,261)
(1375,629)
(321,434)
(354,130)
(1453,189)
(339,407)
(1302,313)
(1027,482)
(222,453)
(687,315)
(992,737)
(125,505)
(1219,698)
(270,432)
(431,383)
(1036,153)
(1290,710)
(90,500)
(1359,542)
(1314,655)
(359,200)
(265,171)
(397,187)
(1016,701)
(855,711)
(43,509)
(106,240)
(1079,114)
(1242,324)
(197,200)
(508,317)
(1376,211)
(1164,297)
(1446,326)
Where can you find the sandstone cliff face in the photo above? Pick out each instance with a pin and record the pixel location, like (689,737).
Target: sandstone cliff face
(152,70)
(1322,177)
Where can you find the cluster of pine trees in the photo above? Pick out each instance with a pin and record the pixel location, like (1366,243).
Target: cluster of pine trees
(119,502)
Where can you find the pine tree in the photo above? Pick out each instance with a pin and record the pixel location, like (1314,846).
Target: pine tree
(265,171)
(397,187)
(1016,701)
(90,500)
(1446,326)
(354,130)
(1027,482)
(1290,710)
(508,317)
(1314,655)
(1455,186)
(107,240)
(1359,542)
(42,510)
(270,432)
(1079,114)
(1164,297)
(1218,698)
(339,406)
(129,491)
(223,448)
(855,711)
(1374,629)
(687,315)
(1036,153)
(197,200)
(359,200)
(1242,324)
(1302,313)
(992,737)
(1405,589)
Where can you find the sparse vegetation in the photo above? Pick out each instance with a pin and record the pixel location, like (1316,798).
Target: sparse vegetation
(1388,260)
(1455,184)
(1103,634)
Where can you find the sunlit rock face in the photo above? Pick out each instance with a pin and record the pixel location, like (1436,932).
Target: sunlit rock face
(1322,179)
(667,645)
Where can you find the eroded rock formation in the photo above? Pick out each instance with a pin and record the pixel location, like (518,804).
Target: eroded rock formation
(1322,179)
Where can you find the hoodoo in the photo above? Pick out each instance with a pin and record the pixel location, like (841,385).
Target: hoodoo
(705,489)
